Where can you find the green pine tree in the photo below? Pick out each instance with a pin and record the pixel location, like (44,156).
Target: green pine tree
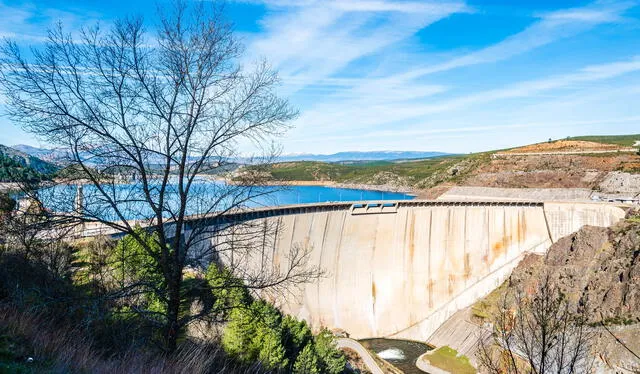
(228,291)
(296,334)
(332,360)
(307,361)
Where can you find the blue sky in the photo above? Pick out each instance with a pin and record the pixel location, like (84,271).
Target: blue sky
(453,76)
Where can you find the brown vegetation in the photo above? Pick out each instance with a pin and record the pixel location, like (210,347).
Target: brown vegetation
(68,348)
(550,171)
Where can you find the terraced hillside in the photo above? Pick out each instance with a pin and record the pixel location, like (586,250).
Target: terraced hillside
(624,140)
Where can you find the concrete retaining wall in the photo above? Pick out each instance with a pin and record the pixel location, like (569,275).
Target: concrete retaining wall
(403,274)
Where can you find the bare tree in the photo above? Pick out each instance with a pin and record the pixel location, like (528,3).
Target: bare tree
(143,118)
(538,332)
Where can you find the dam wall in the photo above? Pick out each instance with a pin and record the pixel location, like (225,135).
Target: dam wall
(401,269)
(566,218)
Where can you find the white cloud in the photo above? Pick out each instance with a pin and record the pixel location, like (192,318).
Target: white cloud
(313,41)
(404,98)
(419,119)
(29,22)
(362,5)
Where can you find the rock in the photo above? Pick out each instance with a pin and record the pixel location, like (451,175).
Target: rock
(600,264)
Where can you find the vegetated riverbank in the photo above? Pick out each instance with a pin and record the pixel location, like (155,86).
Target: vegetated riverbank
(324,183)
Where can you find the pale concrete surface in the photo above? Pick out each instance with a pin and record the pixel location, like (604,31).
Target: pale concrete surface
(566,218)
(402,275)
(368,360)
(459,333)
(422,364)
(616,187)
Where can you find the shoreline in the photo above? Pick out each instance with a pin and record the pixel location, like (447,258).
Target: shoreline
(8,187)
(351,186)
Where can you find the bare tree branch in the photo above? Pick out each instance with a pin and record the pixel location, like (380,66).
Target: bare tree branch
(143,118)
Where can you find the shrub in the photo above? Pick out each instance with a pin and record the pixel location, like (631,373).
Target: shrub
(332,361)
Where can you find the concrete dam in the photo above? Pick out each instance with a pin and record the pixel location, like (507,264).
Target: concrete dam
(400,269)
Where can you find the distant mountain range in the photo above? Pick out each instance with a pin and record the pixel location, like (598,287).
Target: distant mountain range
(362,156)
(57,156)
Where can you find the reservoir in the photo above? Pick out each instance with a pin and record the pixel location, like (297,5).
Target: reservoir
(204,196)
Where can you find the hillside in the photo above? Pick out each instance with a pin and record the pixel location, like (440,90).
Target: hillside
(573,163)
(568,146)
(624,140)
(41,153)
(16,165)
(419,173)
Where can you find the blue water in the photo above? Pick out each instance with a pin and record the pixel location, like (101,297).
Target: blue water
(206,196)
(320,194)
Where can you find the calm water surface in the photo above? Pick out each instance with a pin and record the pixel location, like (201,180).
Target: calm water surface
(205,194)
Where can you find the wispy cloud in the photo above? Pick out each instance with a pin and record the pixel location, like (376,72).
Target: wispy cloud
(364,77)
(549,27)
(29,21)
(407,98)
(374,117)
(360,5)
(312,41)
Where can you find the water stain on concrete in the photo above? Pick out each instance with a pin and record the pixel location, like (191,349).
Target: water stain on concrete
(373,295)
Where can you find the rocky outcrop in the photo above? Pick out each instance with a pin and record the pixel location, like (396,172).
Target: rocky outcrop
(598,263)
(621,183)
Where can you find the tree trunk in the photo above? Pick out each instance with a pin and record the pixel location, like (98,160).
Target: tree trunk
(173,311)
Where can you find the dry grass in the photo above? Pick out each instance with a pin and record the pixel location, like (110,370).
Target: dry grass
(72,350)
